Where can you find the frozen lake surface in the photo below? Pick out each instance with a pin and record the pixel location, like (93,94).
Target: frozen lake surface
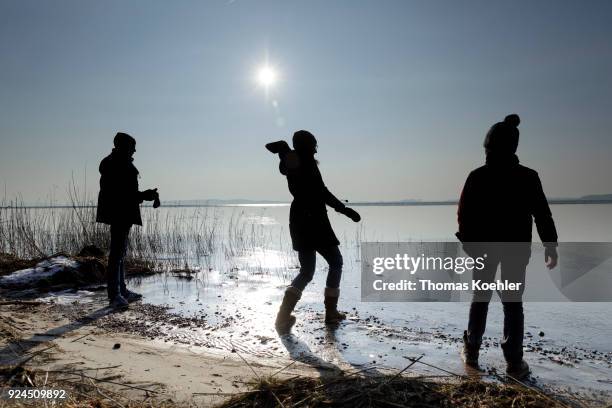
(567,344)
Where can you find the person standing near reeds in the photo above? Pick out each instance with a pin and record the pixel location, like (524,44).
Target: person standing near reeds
(498,205)
(119,206)
(309,226)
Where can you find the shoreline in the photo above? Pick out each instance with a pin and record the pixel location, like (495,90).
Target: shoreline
(135,349)
(65,338)
(187,358)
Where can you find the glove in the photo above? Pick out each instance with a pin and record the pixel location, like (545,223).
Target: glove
(156,202)
(352,214)
(278,147)
(551,256)
(149,195)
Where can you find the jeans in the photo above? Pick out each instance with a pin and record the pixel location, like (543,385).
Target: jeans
(513,263)
(115,272)
(308,260)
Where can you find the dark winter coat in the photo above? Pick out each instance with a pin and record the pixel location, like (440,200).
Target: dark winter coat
(499,202)
(308,221)
(119,199)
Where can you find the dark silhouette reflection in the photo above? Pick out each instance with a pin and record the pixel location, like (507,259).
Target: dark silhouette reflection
(310,229)
(119,206)
(498,204)
(300,351)
(333,346)
(323,362)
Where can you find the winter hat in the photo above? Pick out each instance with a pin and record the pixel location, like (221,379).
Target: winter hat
(304,142)
(123,140)
(503,137)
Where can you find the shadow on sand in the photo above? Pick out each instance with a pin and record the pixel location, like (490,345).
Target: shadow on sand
(19,352)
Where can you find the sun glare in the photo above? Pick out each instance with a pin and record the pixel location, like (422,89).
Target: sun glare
(266,76)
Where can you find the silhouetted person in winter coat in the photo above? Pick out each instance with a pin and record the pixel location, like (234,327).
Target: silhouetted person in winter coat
(119,206)
(309,226)
(499,202)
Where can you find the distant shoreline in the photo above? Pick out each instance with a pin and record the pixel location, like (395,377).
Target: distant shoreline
(560,201)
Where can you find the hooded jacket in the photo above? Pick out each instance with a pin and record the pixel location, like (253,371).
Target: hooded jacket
(119,199)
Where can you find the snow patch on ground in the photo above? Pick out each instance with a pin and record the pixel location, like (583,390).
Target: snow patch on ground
(42,270)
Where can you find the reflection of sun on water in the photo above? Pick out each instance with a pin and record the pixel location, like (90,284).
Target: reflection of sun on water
(262,220)
(265,258)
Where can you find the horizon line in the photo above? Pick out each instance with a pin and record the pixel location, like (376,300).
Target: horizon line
(264,203)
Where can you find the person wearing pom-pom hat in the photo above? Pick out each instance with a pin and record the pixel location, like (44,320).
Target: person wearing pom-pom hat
(309,226)
(499,203)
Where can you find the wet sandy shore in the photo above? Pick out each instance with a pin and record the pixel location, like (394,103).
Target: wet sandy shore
(138,360)
(202,358)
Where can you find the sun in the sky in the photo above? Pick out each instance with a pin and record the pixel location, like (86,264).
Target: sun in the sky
(267,76)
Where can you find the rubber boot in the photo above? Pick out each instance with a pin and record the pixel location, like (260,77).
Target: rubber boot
(470,351)
(332,315)
(518,370)
(284,319)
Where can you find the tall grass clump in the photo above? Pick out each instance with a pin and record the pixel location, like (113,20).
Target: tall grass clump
(170,238)
(167,239)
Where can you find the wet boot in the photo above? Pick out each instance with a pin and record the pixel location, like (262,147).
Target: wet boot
(518,370)
(512,343)
(284,319)
(470,351)
(332,315)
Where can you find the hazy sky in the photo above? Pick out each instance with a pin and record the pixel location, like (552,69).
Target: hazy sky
(399,94)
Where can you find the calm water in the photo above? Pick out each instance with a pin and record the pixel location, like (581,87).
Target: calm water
(239,292)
